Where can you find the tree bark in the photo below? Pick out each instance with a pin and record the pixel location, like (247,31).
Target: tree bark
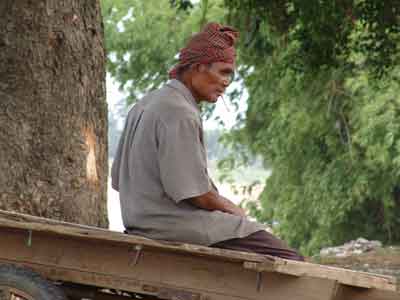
(53,112)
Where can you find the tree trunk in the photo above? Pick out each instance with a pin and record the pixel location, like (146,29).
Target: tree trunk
(53,113)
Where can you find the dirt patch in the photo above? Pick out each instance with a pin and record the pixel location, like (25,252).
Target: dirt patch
(382,261)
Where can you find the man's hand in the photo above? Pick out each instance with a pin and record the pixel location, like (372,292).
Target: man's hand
(237,211)
(213,201)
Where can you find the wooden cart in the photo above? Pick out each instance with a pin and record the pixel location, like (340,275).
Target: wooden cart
(43,259)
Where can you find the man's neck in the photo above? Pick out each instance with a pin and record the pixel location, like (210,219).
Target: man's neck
(187,81)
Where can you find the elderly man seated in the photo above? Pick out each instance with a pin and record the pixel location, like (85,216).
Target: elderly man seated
(160,169)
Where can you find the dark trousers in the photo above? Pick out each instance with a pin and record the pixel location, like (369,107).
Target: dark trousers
(261,242)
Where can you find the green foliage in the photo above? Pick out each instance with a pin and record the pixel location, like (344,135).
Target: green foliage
(324,113)
(322,32)
(182,5)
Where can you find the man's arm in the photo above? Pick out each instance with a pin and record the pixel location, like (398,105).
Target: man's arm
(213,201)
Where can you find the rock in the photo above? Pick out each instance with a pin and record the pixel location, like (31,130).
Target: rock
(355,247)
(362,240)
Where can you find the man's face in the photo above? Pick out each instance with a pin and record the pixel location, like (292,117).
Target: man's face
(211,80)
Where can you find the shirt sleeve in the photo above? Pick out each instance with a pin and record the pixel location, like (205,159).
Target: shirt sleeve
(182,160)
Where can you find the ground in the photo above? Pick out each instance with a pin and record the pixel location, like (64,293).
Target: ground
(382,261)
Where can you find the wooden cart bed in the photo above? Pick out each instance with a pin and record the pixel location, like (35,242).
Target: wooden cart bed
(103,259)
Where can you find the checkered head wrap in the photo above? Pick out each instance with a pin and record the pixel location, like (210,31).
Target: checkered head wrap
(215,43)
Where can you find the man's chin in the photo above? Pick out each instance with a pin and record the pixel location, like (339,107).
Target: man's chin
(213,98)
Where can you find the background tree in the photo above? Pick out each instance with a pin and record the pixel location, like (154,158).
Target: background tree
(53,117)
(324,113)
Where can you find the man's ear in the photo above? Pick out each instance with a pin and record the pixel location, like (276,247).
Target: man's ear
(201,67)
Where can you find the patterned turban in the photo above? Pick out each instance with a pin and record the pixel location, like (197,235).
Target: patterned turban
(215,43)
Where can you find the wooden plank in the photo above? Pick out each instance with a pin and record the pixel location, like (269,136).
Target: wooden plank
(344,276)
(105,281)
(22,221)
(345,292)
(112,265)
(77,236)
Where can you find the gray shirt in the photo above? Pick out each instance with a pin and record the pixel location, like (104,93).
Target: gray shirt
(160,162)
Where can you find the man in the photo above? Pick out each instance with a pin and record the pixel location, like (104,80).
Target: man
(160,169)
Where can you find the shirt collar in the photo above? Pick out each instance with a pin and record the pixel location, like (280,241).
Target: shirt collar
(182,89)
